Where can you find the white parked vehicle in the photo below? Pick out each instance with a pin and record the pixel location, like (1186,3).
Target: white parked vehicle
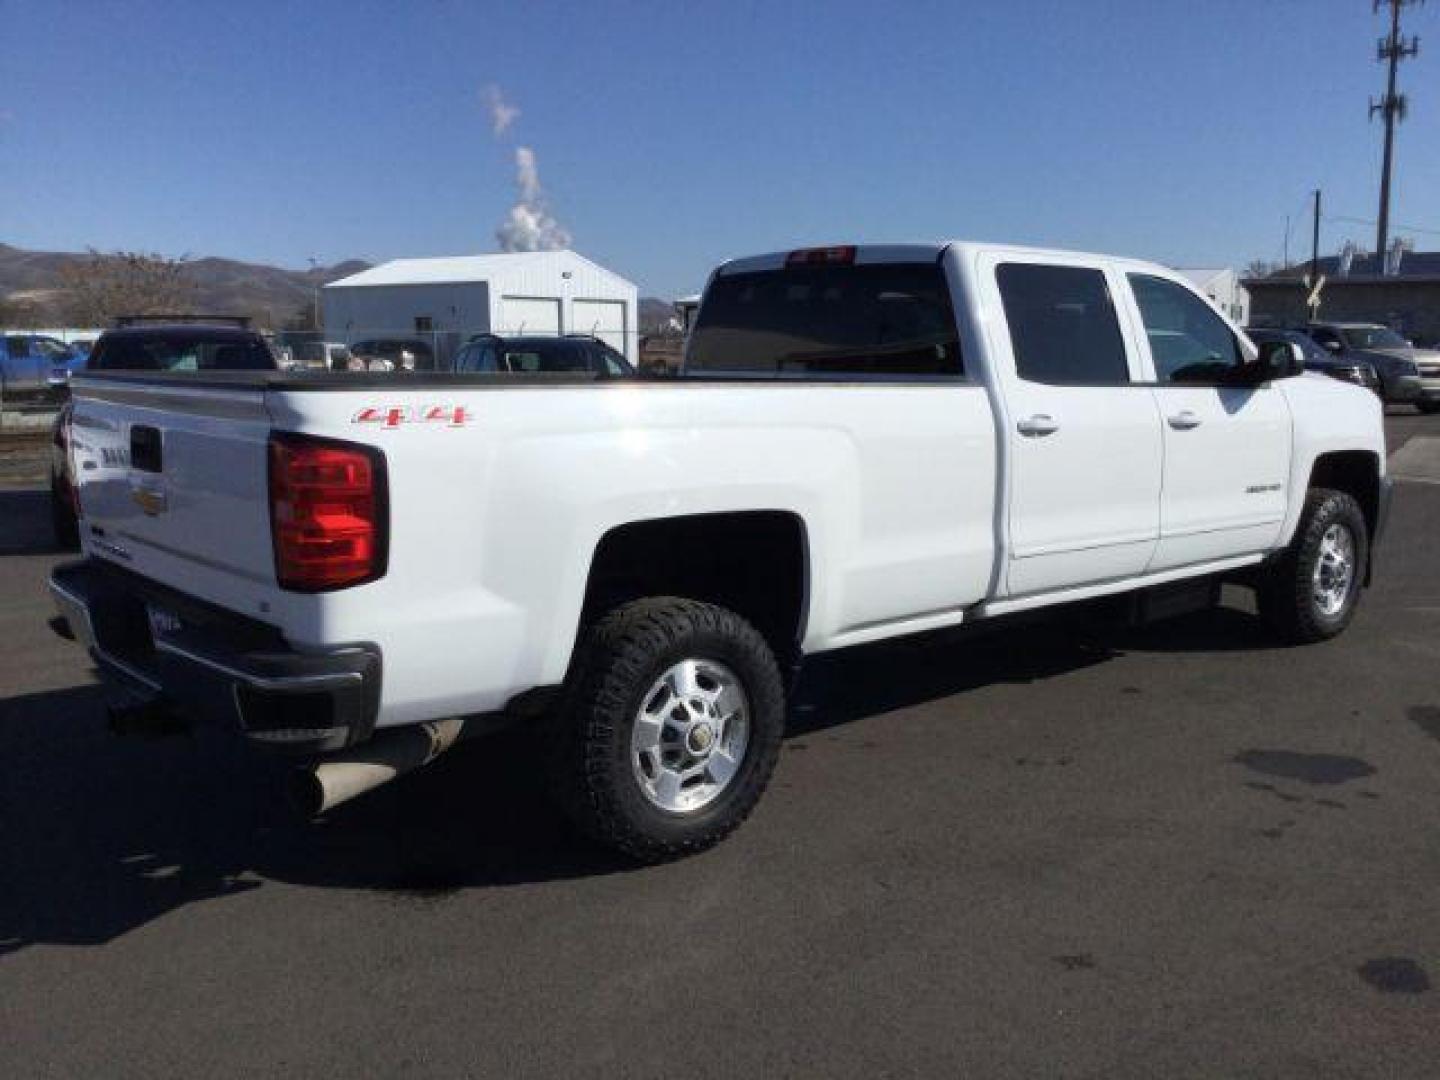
(868,442)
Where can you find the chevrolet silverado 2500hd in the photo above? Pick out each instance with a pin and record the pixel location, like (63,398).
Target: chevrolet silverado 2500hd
(867,442)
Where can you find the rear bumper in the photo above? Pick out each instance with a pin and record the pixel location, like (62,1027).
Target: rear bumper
(173,650)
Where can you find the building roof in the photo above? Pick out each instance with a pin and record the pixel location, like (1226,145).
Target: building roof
(1413,264)
(461,269)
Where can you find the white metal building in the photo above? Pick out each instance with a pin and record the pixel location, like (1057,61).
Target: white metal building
(1222,285)
(447,300)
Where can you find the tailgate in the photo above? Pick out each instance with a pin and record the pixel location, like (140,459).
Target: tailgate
(173,484)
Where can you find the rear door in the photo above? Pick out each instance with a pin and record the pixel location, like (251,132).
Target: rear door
(1083,435)
(1227,447)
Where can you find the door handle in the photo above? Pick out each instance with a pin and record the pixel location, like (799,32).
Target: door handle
(1184,421)
(1039,424)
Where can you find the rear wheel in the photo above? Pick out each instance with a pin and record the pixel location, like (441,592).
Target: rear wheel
(669,728)
(1311,593)
(1428,407)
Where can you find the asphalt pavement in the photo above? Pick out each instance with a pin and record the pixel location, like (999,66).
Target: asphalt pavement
(1067,849)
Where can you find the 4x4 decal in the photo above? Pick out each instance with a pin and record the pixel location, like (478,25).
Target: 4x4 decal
(390,417)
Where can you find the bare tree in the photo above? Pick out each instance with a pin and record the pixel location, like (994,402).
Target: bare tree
(126,283)
(15,314)
(305,318)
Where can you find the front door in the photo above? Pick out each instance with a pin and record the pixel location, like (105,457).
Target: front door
(1083,434)
(1227,447)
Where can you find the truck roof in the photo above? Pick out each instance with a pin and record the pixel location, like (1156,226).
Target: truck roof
(927,251)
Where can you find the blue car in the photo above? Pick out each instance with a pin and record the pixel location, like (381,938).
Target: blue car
(34,364)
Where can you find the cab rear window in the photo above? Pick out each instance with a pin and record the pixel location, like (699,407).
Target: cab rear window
(881,319)
(170,353)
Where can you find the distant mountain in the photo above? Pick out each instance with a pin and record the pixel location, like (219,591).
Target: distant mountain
(269,294)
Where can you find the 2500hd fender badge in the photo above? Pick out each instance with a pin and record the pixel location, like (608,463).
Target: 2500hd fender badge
(390,417)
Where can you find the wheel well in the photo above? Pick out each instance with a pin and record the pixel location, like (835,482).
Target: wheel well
(756,563)
(1356,472)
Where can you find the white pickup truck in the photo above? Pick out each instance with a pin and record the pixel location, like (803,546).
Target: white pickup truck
(866,442)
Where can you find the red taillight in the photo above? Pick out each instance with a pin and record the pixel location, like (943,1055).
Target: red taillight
(327,513)
(826,256)
(60,438)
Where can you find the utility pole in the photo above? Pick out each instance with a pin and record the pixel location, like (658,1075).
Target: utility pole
(315,304)
(1392,49)
(1313,282)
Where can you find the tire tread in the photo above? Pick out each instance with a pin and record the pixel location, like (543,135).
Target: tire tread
(1284,593)
(617,655)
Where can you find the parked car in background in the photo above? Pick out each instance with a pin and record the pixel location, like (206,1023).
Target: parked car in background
(1320,360)
(159,347)
(325,355)
(401,354)
(526,355)
(80,350)
(34,365)
(1395,360)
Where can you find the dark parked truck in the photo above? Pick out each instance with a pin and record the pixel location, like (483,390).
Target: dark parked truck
(1407,374)
(867,442)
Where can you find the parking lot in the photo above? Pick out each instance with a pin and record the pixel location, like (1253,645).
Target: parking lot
(1066,848)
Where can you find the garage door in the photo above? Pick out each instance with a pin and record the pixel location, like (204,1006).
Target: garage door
(603,318)
(528,315)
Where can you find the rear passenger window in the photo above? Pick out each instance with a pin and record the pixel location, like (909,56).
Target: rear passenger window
(1062,325)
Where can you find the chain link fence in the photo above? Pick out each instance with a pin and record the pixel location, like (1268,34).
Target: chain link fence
(389,348)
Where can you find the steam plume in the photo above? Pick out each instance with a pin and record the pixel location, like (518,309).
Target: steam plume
(502,113)
(528,226)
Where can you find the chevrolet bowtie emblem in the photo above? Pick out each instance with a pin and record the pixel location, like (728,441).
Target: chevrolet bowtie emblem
(149,500)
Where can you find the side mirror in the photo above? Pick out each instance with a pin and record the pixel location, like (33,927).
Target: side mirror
(1279,360)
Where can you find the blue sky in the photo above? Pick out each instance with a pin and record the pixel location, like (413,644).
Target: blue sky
(673,135)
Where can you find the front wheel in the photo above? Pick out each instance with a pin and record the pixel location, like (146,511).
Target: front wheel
(668,729)
(1311,592)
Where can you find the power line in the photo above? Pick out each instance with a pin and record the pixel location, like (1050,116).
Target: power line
(1371,221)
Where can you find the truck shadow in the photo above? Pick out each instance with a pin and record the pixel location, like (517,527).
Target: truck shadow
(25,523)
(101,835)
(836,688)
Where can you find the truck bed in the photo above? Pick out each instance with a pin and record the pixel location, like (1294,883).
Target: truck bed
(498,502)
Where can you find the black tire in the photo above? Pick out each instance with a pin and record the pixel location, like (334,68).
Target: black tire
(589,761)
(1428,407)
(1287,592)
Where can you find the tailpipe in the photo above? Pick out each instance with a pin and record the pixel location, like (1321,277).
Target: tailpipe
(342,776)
